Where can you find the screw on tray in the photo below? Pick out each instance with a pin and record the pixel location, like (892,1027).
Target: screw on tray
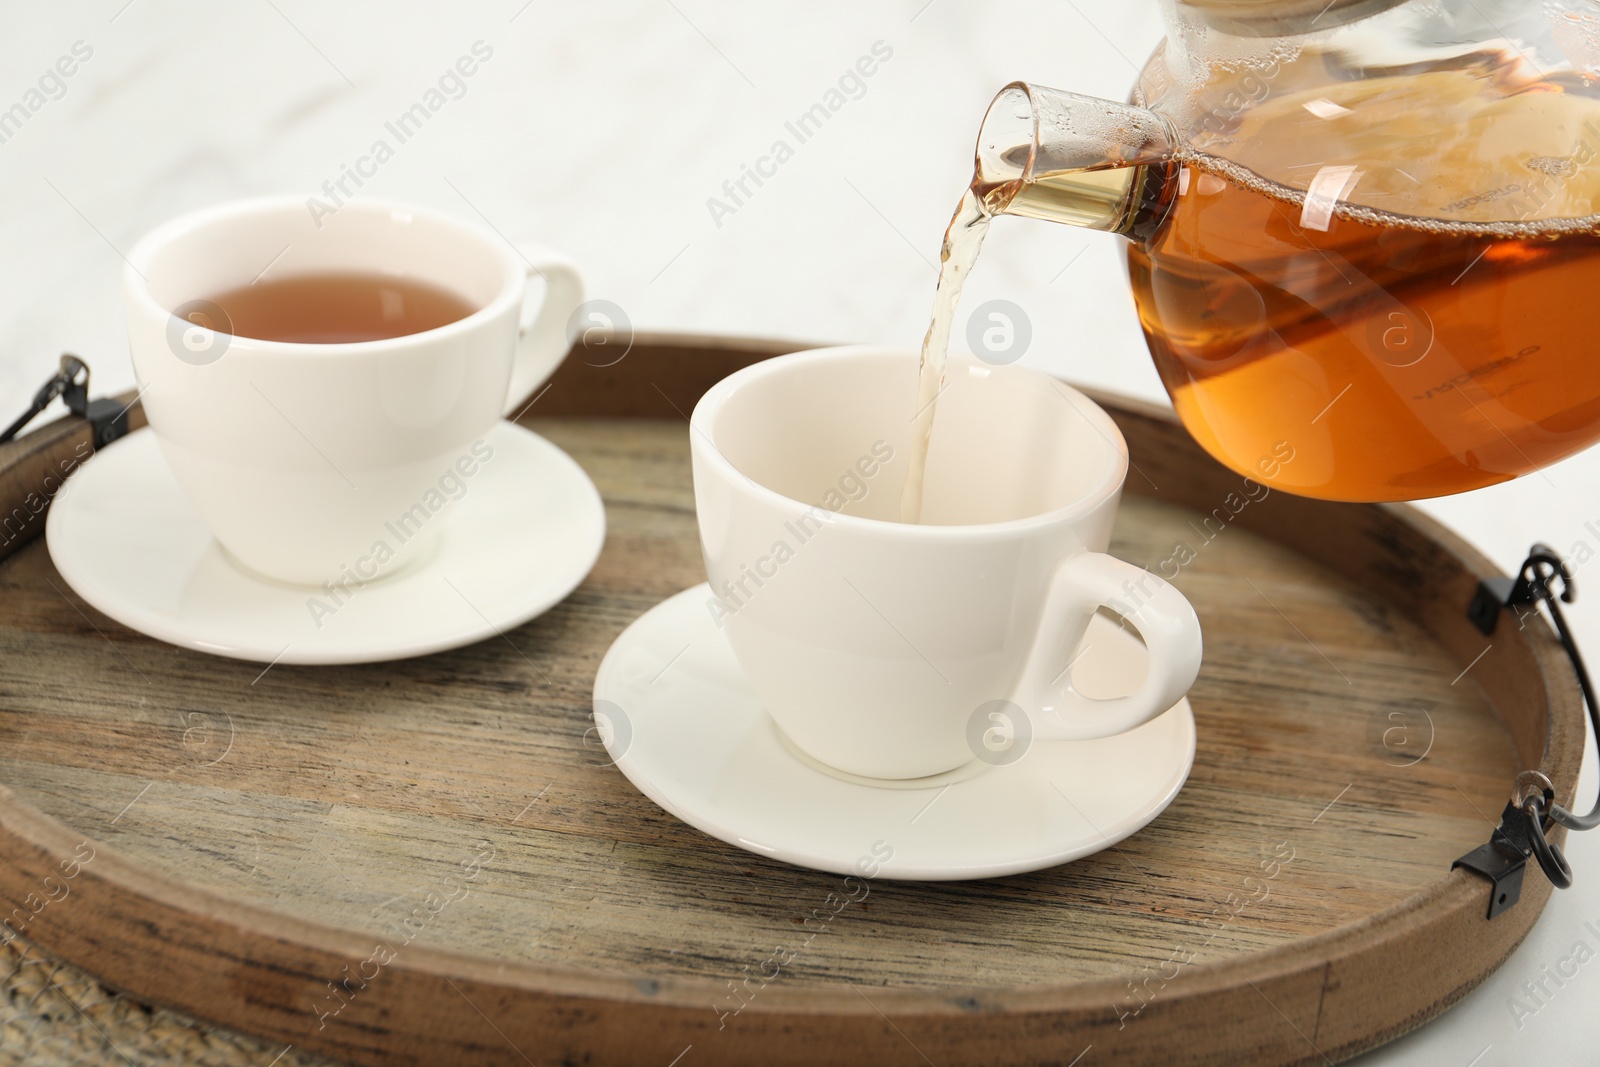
(108,418)
(1532,809)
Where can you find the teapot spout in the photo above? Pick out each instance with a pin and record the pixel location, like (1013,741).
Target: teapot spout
(1047,154)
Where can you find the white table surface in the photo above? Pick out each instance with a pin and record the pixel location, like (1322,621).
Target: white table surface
(603,128)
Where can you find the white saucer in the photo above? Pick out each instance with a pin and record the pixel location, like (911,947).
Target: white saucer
(678,718)
(125,537)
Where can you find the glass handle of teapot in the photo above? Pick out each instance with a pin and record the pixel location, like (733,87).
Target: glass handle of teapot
(1049,154)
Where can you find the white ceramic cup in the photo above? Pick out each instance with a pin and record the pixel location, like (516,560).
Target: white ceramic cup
(882,648)
(296,456)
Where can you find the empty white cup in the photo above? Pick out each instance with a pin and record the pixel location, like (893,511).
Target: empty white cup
(878,647)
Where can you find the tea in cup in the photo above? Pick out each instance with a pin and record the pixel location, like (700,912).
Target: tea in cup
(316,383)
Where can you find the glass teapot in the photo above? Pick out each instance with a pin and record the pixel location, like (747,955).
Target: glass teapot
(1363,233)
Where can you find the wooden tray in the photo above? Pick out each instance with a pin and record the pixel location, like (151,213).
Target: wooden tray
(274,851)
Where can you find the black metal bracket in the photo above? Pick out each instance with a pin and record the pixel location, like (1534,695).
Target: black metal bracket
(107,418)
(1502,861)
(1493,594)
(1532,810)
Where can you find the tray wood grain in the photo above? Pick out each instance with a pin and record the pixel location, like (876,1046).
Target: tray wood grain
(256,837)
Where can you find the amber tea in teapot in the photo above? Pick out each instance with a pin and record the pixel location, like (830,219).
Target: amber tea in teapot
(1401,357)
(1351,242)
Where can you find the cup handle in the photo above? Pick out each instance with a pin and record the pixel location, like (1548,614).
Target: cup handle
(542,340)
(1165,620)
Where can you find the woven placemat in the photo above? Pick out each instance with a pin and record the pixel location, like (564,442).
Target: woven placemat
(53,1014)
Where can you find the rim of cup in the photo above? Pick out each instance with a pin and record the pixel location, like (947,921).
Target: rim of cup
(703,439)
(509,294)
